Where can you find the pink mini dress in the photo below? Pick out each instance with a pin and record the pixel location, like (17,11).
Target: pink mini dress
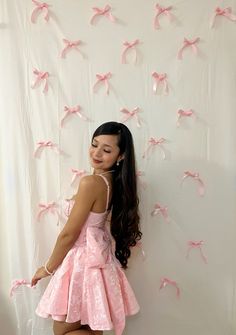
(90,286)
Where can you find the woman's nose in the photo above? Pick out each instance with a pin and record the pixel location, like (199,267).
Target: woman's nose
(97,152)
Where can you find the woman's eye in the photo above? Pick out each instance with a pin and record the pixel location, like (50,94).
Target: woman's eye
(94,145)
(108,152)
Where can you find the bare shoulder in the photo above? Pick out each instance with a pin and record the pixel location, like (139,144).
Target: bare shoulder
(91,183)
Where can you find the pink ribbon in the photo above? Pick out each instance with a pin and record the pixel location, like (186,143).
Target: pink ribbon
(196,245)
(158,209)
(183,113)
(160,78)
(40,6)
(167,281)
(161,10)
(45,144)
(51,207)
(153,142)
(226,12)
(73,110)
(130,114)
(106,11)
(195,176)
(140,246)
(41,76)
(69,46)
(129,46)
(77,174)
(188,43)
(17,283)
(103,79)
(140,174)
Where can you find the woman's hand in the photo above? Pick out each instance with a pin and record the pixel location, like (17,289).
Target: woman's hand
(39,274)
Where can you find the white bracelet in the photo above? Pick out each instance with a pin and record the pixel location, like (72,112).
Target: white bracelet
(48,272)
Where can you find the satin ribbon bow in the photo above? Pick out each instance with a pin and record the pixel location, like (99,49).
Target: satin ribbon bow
(226,12)
(45,144)
(51,207)
(77,174)
(73,110)
(17,283)
(41,76)
(196,245)
(40,6)
(167,281)
(106,11)
(183,113)
(129,46)
(196,177)
(160,78)
(103,79)
(161,10)
(153,142)
(158,209)
(69,46)
(188,43)
(131,114)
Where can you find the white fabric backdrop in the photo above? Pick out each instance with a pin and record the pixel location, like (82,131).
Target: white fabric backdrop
(206,83)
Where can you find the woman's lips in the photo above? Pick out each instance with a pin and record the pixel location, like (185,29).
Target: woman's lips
(96,161)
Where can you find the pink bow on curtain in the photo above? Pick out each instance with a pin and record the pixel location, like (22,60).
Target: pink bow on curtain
(139,174)
(183,113)
(69,46)
(51,207)
(40,6)
(226,12)
(167,281)
(131,114)
(129,46)
(160,78)
(106,11)
(17,283)
(153,142)
(196,245)
(103,79)
(41,76)
(161,10)
(195,176)
(77,174)
(158,209)
(73,110)
(45,144)
(140,246)
(188,43)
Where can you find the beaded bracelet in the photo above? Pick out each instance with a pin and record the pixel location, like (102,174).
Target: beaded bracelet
(48,272)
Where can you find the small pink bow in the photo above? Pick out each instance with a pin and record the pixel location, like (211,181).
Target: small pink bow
(129,46)
(41,76)
(167,281)
(131,114)
(226,12)
(195,176)
(188,43)
(160,78)
(183,113)
(73,110)
(40,6)
(45,144)
(103,79)
(158,209)
(77,174)
(140,246)
(17,283)
(196,245)
(139,174)
(69,46)
(51,207)
(161,10)
(153,142)
(106,11)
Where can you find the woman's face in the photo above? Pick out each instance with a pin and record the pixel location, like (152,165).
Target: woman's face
(104,152)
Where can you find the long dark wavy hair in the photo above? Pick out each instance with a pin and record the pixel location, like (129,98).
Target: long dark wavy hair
(125,218)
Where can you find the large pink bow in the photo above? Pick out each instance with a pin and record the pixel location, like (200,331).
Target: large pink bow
(196,245)
(106,11)
(103,79)
(69,46)
(161,10)
(131,114)
(41,76)
(40,6)
(158,209)
(167,281)
(73,110)
(195,176)
(153,142)
(45,144)
(183,113)
(226,12)
(160,78)
(189,43)
(51,207)
(77,174)
(129,46)
(17,283)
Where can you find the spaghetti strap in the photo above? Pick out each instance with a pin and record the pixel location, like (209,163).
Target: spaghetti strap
(108,189)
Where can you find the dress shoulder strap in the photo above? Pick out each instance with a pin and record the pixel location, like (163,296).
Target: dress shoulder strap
(108,189)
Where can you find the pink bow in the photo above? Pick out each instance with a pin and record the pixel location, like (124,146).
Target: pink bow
(17,283)
(161,10)
(140,246)
(40,6)
(153,142)
(41,76)
(103,79)
(72,110)
(131,114)
(103,12)
(158,209)
(68,206)
(51,207)
(129,46)
(45,144)
(226,12)
(70,45)
(140,174)
(196,245)
(158,79)
(167,281)
(77,174)
(188,43)
(195,176)
(181,113)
